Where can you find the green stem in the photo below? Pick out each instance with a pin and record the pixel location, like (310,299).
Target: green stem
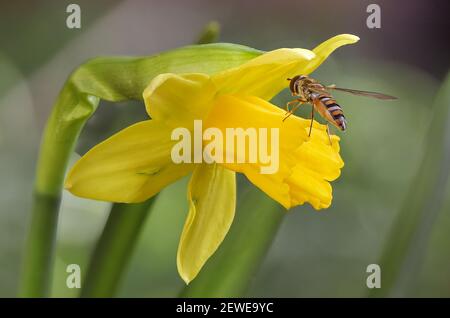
(39,253)
(69,115)
(229,271)
(114,248)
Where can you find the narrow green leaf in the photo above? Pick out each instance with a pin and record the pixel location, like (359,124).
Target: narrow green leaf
(230,270)
(114,248)
(406,244)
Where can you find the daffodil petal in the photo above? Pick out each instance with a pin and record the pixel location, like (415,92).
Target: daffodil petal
(318,163)
(264,76)
(130,166)
(212,200)
(323,50)
(247,112)
(179,99)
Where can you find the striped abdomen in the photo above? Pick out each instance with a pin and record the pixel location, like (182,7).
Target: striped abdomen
(326,105)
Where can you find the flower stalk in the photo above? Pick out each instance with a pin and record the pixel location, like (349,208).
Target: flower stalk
(69,115)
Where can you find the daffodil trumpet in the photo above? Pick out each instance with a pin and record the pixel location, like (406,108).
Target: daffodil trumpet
(136,163)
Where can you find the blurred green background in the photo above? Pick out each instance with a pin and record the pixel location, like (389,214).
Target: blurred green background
(314,254)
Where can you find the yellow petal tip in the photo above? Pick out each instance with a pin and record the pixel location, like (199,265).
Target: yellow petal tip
(346,38)
(353,37)
(186,280)
(183,269)
(184,275)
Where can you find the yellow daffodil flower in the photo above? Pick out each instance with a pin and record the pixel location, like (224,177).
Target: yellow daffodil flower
(135,164)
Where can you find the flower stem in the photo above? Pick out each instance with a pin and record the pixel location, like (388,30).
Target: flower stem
(229,271)
(39,253)
(114,248)
(58,141)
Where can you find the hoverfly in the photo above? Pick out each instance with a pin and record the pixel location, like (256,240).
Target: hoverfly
(308,90)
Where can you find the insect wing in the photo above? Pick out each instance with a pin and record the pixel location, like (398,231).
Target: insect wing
(363,93)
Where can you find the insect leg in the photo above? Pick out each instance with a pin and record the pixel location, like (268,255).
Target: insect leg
(312,120)
(329,135)
(298,100)
(289,113)
(292,102)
